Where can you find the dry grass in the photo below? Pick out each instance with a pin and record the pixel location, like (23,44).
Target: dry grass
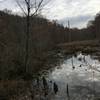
(89,46)
(81,43)
(15,90)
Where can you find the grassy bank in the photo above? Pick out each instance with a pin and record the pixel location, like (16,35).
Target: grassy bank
(90,46)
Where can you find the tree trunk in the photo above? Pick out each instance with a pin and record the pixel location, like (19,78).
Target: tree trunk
(27,37)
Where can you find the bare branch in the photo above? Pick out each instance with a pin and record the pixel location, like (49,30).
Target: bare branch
(21,7)
(26,2)
(46,3)
(39,5)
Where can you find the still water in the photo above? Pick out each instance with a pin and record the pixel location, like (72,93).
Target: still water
(78,75)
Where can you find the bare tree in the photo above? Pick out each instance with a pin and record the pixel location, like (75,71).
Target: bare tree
(30,8)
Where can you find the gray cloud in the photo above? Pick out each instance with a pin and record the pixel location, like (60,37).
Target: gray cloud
(78,11)
(78,21)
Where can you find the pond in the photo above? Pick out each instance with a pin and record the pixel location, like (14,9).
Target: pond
(78,78)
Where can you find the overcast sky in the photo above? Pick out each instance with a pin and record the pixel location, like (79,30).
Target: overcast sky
(79,12)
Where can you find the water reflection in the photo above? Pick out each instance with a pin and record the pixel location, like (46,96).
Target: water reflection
(81,73)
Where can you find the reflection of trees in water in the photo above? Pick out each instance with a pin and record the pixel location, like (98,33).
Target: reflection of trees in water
(44,89)
(85,89)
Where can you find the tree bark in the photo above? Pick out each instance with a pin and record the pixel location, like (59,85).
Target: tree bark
(27,37)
